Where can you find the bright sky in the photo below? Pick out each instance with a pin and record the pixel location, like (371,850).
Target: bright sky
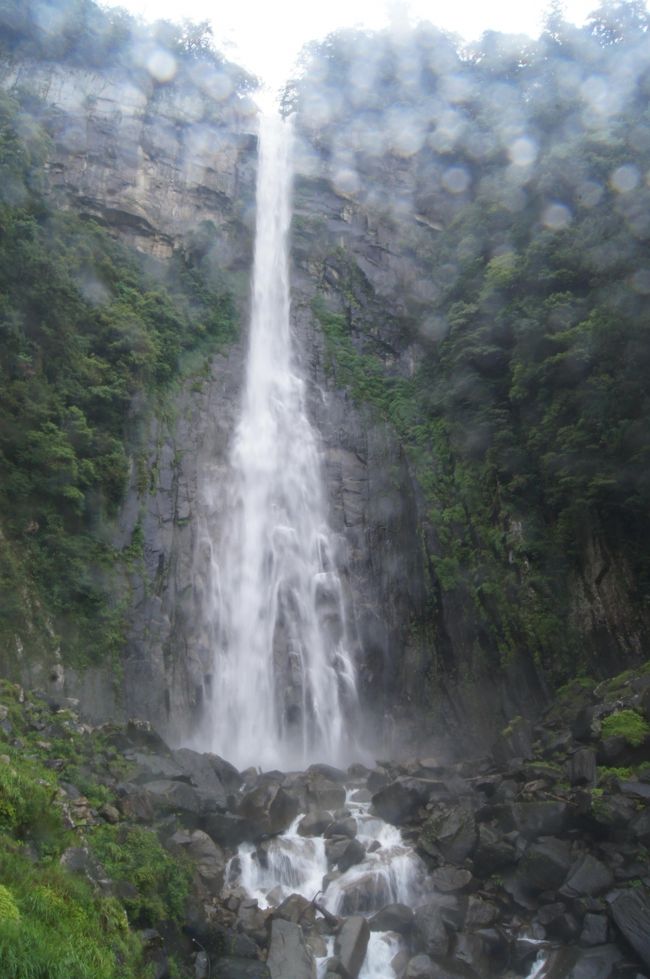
(265,36)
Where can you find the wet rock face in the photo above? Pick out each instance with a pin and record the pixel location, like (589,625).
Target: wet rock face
(150,161)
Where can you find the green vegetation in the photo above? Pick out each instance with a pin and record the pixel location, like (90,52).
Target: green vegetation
(134,855)
(86,331)
(626,724)
(54,923)
(515,373)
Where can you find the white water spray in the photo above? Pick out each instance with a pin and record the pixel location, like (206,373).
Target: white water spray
(283,682)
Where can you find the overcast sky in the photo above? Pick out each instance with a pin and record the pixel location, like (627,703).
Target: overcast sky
(266,35)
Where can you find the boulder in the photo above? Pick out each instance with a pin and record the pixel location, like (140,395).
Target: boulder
(450,879)
(420,967)
(345,853)
(581,767)
(314,823)
(205,854)
(492,852)
(400,801)
(588,876)
(394,917)
(226,829)
(450,833)
(369,892)
(576,963)
(430,932)
(268,809)
(630,910)
(327,772)
(594,930)
(322,793)
(166,795)
(231,967)
(351,944)
(342,827)
(289,957)
(545,865)
(296,909)
(541,818)
(513,742)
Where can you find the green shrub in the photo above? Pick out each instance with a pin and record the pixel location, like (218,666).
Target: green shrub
(136,855)
(627,724)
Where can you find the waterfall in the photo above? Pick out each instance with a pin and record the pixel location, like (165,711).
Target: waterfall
(283,683)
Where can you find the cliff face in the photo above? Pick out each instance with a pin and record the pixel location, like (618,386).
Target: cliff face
(431,657)
(169,168)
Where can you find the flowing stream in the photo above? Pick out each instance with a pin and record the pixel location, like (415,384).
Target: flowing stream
(283,690)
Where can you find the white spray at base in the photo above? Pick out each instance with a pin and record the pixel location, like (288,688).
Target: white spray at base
(390,873)
(283,686)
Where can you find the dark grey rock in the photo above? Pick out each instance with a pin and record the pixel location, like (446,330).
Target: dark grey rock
(226,829)
(400,801)
(297,909)
(450,879)
(289,957)
(575,963)
(351,944)
(588,876)
(420,967)
(449,833)
(268,810)
(545,864)
(543,818)
(166,795)
(231,967)
(342,827)
(322,793)
(594,930)
(431,934)
(345,853)
(314,823)
(492,852)
(581,767)
(208,858)
(327,772)
(631,912)
(394,917)
(481,913)
(513,742)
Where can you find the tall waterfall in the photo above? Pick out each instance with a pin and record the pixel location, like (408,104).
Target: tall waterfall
(283,682)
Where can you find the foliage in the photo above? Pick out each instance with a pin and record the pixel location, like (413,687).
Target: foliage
(626,724)
(135,855)
(84,331)
(80,32)
(59,928)
(516,372)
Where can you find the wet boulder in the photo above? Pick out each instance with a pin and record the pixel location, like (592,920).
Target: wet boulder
(289,957)
(394,917)
(449,833)
(400,801)
(588,876)
(344,853)
(323,793)
(430,933)
(208,858)
(630,909)
(314,823)
(231,967)
(545,865)
(268,809)
(351,944)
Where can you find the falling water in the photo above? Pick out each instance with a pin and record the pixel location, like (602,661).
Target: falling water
(283,684)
